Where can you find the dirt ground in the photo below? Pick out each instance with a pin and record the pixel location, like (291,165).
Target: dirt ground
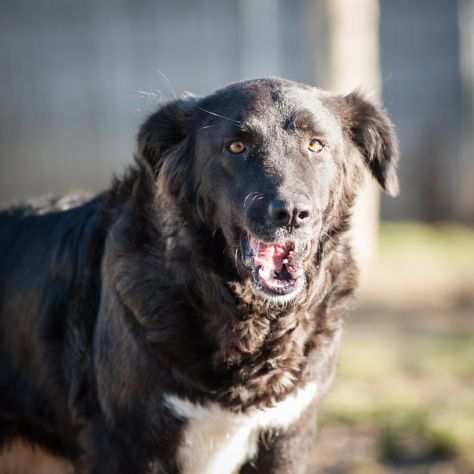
(366,436)
(403,401)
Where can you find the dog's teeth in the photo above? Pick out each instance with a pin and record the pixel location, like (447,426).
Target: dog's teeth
(264,273)
(285,261)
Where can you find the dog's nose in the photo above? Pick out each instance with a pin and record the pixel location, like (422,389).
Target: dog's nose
(302,214)
(285,213)
(280,213)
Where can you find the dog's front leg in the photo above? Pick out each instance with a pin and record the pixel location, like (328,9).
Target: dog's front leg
(286,451)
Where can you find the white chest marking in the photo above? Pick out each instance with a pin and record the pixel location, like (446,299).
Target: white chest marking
(217,441)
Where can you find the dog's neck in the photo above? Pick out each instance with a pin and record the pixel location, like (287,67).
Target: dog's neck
(260,349)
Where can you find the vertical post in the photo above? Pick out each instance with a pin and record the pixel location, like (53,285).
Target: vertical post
(465,176)
(352,62)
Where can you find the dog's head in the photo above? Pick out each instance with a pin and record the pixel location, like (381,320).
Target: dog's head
(269,163)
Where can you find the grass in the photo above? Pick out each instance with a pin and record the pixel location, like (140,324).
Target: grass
(407,362)
(423,266)
(408,388)
(441,242)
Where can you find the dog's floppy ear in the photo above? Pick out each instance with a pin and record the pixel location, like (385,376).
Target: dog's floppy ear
(164,129)
(373,134)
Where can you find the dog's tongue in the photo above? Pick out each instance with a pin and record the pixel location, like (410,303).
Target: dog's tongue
(277,263)
(270,256)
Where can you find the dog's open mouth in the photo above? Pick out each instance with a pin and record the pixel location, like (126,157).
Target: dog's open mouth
(277,267)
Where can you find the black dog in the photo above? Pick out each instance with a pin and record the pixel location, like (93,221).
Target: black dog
(188,319)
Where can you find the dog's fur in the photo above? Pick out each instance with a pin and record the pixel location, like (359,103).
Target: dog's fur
(137,331)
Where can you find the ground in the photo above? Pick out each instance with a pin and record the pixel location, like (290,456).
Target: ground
(403,400)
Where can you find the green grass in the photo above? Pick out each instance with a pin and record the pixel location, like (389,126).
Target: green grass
(411,377)
(409,388)
(444,242)
(419,251)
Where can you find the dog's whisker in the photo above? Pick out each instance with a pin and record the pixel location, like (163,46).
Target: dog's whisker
(204,127)
(252,196)
(215,114)
(168,82)
(155,95)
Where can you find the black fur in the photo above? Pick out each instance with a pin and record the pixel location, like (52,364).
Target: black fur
(145,290)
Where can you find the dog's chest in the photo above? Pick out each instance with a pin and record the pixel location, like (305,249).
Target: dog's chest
(217,441)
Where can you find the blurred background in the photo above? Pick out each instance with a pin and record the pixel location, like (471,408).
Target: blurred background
(77,78)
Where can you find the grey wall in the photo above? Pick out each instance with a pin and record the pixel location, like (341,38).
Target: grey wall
(77,78)
(422,90)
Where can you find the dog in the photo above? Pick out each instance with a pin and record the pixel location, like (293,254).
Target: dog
(188,319)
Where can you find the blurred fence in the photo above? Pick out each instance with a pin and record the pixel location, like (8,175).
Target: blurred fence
(78,77)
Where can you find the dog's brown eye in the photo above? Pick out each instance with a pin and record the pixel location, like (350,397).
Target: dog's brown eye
(237,147)
(315,145)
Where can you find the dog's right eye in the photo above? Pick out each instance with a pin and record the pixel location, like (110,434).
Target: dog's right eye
(315,145)
(236,147)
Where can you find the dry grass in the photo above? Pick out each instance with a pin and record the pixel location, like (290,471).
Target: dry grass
(403,401)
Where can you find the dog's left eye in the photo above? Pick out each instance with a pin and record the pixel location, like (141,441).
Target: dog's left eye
(315,145)
(236,147)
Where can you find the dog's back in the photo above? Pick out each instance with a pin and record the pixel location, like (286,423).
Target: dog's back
(46,248)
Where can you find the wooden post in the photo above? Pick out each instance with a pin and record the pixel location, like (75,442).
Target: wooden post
(464,201)
(351,61)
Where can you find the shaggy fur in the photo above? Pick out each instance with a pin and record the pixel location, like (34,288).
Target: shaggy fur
(156,287)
